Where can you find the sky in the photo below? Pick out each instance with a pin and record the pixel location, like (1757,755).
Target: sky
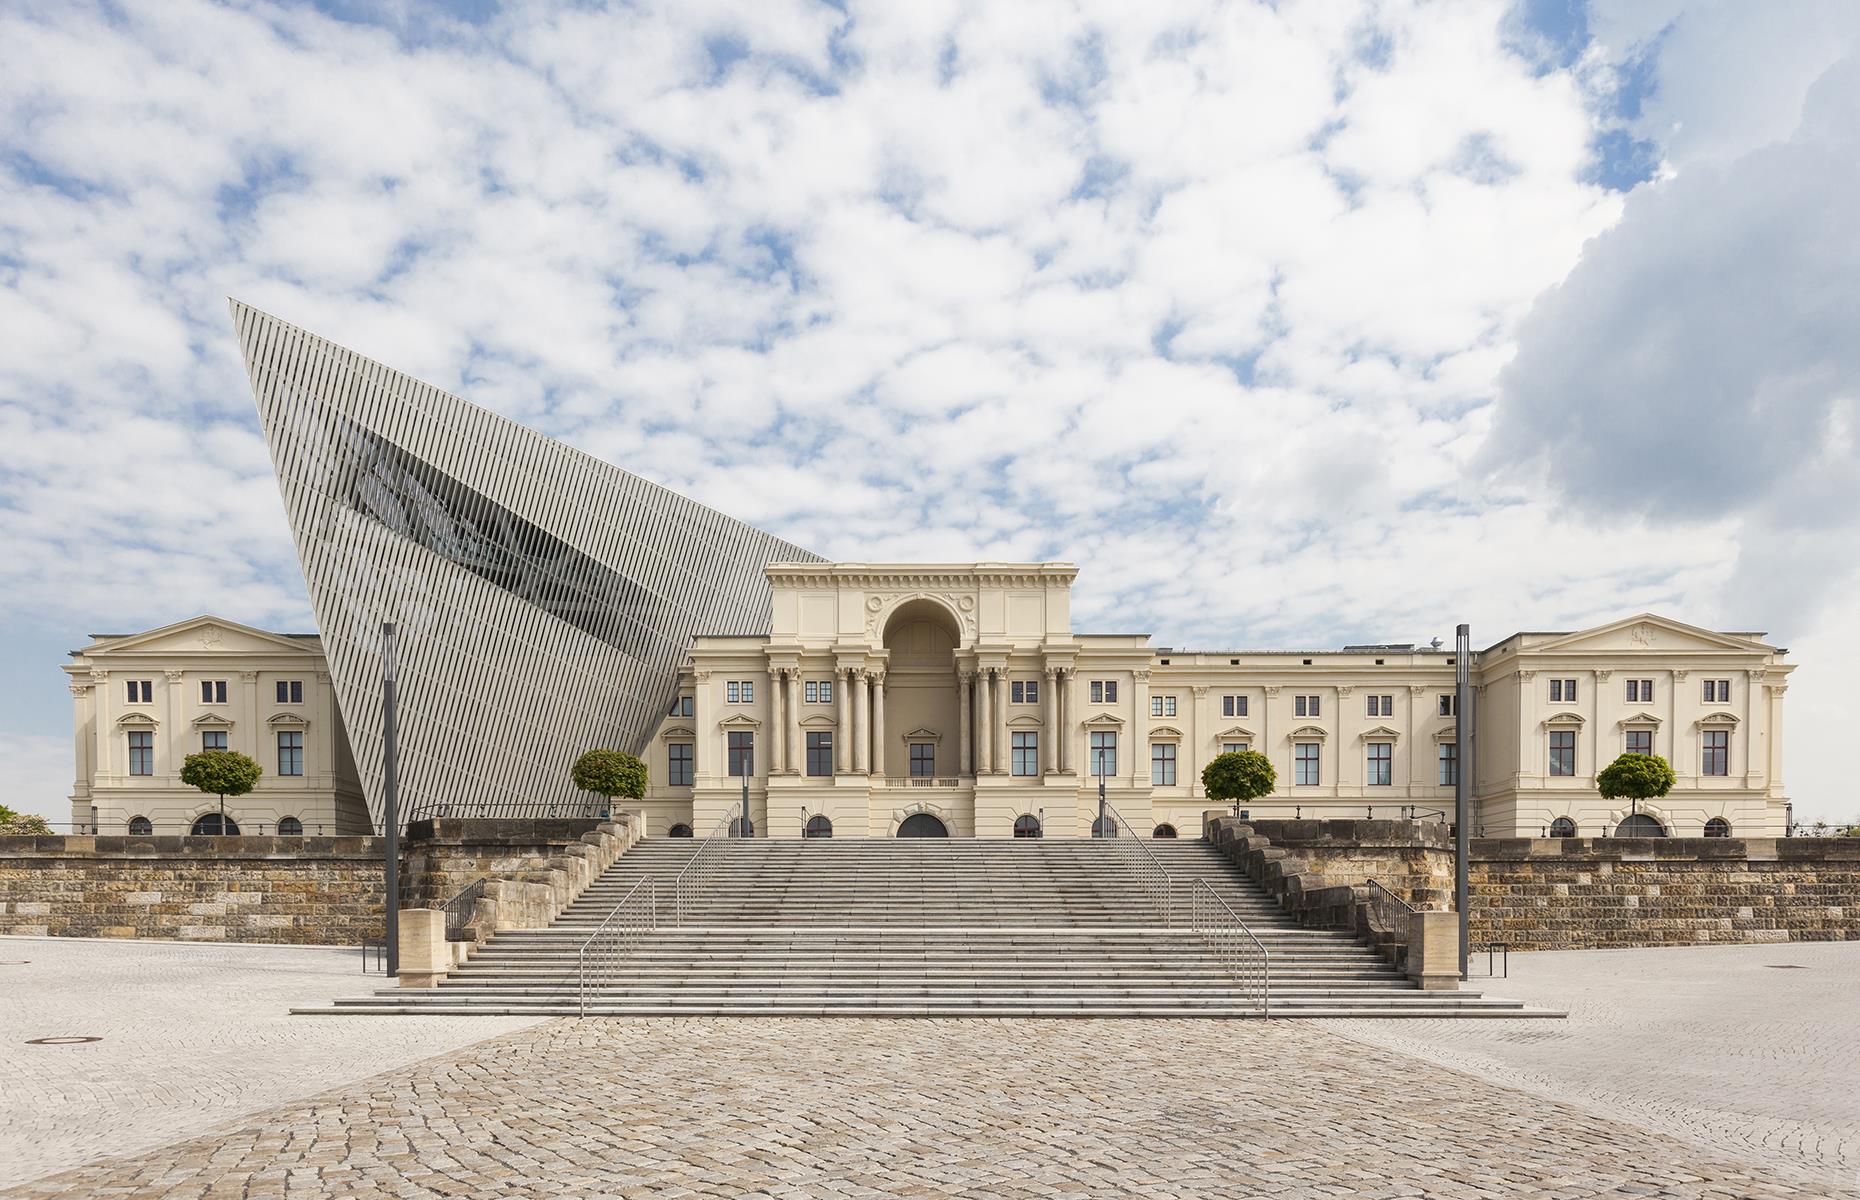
(1293,324)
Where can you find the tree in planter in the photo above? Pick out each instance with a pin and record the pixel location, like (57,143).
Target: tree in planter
(610,773)
(1238,777)
(221,773)
(1636,777)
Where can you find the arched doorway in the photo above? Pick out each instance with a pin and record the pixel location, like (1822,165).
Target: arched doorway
(1562,827)
(1718,827)
(680,830)
(210,826)
(922,713)
(1640,825)
(922,825)
(1027,826)
(736,828)
(1163,831)
(818,827)
(1105,826)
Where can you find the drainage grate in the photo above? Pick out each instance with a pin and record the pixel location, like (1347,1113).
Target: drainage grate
(61,1041)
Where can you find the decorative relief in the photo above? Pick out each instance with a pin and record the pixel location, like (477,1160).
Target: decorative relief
(1641,635)
(1603,675)
(880,608)
(211,638)
(175,676)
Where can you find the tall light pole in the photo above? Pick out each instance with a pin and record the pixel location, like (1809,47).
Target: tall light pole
(1462,781)
(1097,755)
(390,806)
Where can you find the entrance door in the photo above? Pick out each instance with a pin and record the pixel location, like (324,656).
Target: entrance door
(922,825)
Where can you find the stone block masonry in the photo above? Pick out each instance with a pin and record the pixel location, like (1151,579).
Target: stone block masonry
(297,891)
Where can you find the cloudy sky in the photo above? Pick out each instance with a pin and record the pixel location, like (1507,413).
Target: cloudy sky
(1291,323)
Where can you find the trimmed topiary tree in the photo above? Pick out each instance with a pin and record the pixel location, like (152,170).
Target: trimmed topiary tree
(221,773)
(1636,777)
(1239,776)
(610,773)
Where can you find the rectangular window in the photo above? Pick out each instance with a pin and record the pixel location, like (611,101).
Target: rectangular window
(1026,754)
(290,691)
(1562,691)
(1162,764)
(1024,691)
(820,754)
(739,691)
(141,691)
(683,706)
(679,764)
(290,752)
(1640,741)
(1717,752)
(1162,706)
(213,739)
(1233,747)
(1640,691)
(141,752)
(1449,763)
(1562,752)
(742,753)
(1104,691)
(213,691)
(1305,760)
(1233,706)
(1104,753)
(1381,706)
(1717,691)
(1305,706)
(923,760)
(817,691)
(1449,704)
(1381,764)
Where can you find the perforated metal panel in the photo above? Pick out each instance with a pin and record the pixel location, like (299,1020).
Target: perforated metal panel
(545,599)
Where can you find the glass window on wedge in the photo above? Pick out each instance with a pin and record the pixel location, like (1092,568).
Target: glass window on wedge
(1449,760)
(213,691)
(1306,769)
(1307,706)
(739,691)
(1380,765)
(1233,706)
(1025,751)
(820,753)
(1103,753)
(683,706)
(923,760)
(1104,691)
(1162,764)
(1234,747)
(1639,741)
(213,739)
(680,765)
(290,691)
(741,760)
(1379,706)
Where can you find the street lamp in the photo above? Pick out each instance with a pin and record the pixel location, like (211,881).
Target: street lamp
(1101,830)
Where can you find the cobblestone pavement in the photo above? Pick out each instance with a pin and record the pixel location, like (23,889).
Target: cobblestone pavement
(1730,1047)
(193,1036)
(996,1109)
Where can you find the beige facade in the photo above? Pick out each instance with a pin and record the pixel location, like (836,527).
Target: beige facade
(961,693)
(144,702)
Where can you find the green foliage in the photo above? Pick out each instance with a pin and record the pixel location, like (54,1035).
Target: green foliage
(610,773)
(15,824)
(1635,777)
(1239,776)
(221,772)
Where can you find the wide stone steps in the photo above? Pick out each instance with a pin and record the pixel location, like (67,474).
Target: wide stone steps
(956,928)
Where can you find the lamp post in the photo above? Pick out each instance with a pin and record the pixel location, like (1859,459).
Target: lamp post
(390,806)
(1462,781)
(1097,754)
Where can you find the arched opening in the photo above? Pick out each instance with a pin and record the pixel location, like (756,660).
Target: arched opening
(1562,827)
(920,640)
(1164,831)
(141,827)
(1717,827)
(922,825)
(817,827)
(737,827)
(679,830)
(210,826)
(1105,826)
(290,827)
(1640,825)
(1027,825)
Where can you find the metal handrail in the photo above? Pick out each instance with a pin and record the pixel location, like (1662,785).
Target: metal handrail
(1223,930)
(685,884)
(458,909)
(1390,914)
(1151,873)
(613,938)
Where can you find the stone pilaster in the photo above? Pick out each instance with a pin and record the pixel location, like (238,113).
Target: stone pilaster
(878,724)
(965,680)
(862,720)
(778,725)
(1049,722)
(984,721)
(842,729)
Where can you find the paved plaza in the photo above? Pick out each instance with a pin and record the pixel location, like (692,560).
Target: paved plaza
(476,1107)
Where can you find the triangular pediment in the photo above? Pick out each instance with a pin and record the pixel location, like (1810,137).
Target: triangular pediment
(211,720)
(921,734)
(739,721)
(206,634)
(1639,718)
(1381,733)
(1104,721)
(1646,632)
(1235,733)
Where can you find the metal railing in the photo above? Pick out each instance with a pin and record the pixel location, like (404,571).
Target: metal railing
(459,909)
(1233,945)
(1141,861)
(599,960)
(1389,912)
(689,883)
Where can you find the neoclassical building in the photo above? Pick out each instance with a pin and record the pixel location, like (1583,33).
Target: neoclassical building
(143,702)
(956,698)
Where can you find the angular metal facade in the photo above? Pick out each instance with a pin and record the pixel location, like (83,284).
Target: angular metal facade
(544,599)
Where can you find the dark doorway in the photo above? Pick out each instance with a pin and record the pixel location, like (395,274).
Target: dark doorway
(923,825)
(1027,825)
(818,827)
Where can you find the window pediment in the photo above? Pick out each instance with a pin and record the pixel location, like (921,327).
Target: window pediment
(1309,733)
(1641,718)
(1024,721)
(677,731)
(1381,733)
(739,721)
(1165,733)
(211,721)
(920,734)
(1236,733)
(1716,718)
(1447,733)
(136,720)
(1104,721)
(287,720)
(1565,720)
(817,721)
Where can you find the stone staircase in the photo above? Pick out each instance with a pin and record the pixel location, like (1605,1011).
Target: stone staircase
(926,928)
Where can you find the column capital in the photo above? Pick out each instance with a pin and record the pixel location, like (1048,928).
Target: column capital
(175,676)
(1050,671)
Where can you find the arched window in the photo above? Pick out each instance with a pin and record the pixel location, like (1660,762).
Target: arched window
(141,827)
(1164,831)
(681,830)
(1027,825)
(1640,825)
(818,827)
(1104,827)
(737,830)
(1562,827)
(922,825)
(1717,827)
(290,827)
(209,826)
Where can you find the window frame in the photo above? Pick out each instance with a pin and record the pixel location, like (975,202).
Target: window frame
(213,691)
(1311,755)
(1562,690)
(1448,704)
(1162,764)
(927,759)
(1558,751)
(819,753)
(740,752)
(1718,753)
(1103,691)
(208,735)
(1379,764)
(290,691)
(140,691)
(1233,705)
(1101,748)
(1308,704)
(680,768)
(1447,764)
(142,750)
(1628,737)
(1024,753)
(1235,747)
(290,753)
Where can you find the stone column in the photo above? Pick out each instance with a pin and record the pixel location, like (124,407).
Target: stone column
(984,722)
(1064,731)
(1049,724)
(791,729)
(171,750)
(1140,730)
(966,763)
(878,724)
(778,722)
(862,720)
(842,729)
(1003,737)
